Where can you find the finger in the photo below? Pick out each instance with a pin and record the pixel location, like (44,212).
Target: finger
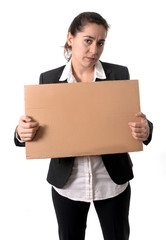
(29,125)
(141,115)
(135,124)
(27,122)
(136,130)
(28,130)
(26,139)
(141,138)
(139,135)
(25,118)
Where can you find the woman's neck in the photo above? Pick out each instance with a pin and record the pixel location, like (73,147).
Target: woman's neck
(83,74)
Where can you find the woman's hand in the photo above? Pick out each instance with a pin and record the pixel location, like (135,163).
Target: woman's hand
(27,128)
(140,130)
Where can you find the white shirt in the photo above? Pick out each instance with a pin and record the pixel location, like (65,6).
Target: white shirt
(89,180)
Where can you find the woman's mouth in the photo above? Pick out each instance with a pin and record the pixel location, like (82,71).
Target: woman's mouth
(91,58)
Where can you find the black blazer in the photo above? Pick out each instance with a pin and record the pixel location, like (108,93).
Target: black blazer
(119,166)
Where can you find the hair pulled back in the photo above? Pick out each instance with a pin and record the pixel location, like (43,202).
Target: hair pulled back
(79,23)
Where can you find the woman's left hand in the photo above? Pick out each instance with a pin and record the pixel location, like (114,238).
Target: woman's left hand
(140,130)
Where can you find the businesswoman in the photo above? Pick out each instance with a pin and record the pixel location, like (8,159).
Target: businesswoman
(79,181)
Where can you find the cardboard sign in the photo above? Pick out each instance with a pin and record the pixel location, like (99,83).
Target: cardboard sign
(79,119)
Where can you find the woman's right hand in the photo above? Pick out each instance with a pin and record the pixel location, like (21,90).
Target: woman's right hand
(27,128)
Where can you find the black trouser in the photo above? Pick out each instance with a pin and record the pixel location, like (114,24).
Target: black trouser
(113,216)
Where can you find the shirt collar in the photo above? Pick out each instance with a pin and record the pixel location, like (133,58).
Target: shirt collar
(67,73)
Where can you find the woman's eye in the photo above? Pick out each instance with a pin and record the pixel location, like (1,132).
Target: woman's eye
(100,44)
(88,41)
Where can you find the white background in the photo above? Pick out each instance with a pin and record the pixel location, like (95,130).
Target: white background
(32,33)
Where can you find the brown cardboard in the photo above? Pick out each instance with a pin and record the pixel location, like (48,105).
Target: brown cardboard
(78,119)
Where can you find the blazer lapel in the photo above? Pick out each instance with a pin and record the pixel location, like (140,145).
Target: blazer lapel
(108,73)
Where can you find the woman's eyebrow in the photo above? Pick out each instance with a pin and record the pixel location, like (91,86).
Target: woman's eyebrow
(88,36)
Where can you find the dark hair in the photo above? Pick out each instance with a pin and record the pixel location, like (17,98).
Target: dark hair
(79,23)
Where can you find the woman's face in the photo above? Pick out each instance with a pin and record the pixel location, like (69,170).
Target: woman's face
(87,46)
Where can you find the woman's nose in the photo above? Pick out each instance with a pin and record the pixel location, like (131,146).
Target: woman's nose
(93,48)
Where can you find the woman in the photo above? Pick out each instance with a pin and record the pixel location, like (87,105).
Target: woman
(103,180)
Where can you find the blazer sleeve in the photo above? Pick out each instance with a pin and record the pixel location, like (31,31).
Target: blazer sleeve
(150,133)
(16,140)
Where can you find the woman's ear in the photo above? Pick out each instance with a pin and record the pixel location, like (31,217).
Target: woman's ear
(69,39)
